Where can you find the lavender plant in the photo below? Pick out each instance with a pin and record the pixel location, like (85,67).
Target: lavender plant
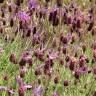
(47,48)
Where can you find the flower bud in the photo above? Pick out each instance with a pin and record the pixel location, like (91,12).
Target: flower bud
(66,83)
(11,22)
(77,74)
(22,62)
(21,91)
(28,33)
(90,26)
(56,80)
(12,58)
(59,3)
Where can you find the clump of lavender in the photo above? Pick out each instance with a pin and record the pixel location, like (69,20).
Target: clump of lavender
(13,58)
(32,4)
(46,63)
(23,16)
(25,59)
(53,18)
(38,91)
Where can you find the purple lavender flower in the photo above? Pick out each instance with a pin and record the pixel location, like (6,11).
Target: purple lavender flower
(10,92)
(26,55)
(77,74)
(23,16)
(19,80)
(3,88)
(23,71)
(32,4)
(53,55)
(83,70)
(39,53)
(38,91)
(6,89)
(22,86)
(36,39)
(21,91)
(53,18)
(55,93)
(28,86)
(83,60)
(25,58)
(69,36)
(43,12)
(12,58)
